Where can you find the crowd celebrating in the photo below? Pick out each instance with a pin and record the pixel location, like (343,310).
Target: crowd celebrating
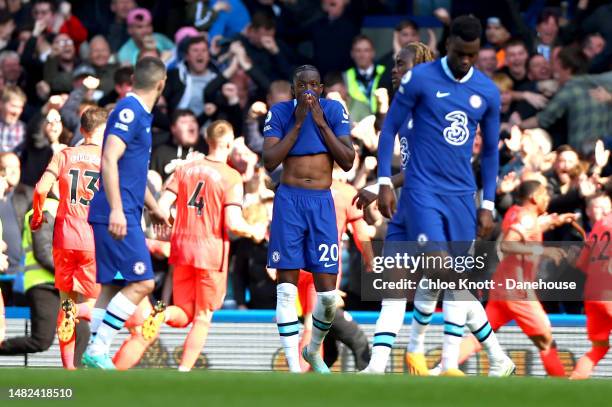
(233,60)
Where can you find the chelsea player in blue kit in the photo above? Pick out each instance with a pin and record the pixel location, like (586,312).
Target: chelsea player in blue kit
(123,263)
(306,135)
(447,100)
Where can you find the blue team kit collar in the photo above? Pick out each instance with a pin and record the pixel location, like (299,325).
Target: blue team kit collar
(142,103)
(448,72)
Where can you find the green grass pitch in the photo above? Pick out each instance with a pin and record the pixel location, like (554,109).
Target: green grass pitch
(207,388)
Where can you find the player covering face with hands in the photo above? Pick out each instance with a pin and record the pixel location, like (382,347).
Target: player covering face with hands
(207,194)
(306,135)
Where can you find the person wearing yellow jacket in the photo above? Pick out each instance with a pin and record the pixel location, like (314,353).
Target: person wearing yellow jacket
(39,286)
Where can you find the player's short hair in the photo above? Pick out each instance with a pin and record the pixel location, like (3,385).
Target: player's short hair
(420,53)
(280,86)
(362,37)
(12,91)
(124,75)
(263,19)
(148,72)
(216,130)
(93,118)
(516,42)
(526,190)
(178,113)
(466,27)
(572,58)
(405,24)
(304,68)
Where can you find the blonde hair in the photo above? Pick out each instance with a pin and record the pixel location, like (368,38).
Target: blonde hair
(503,82)
(420,53)
(218,129)
(12,91)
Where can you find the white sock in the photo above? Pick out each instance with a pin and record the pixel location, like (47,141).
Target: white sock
(119,309)
(455,313)
(388,324)
(479,325)
(288,325)
(97,314)
(322,318)
(424,306)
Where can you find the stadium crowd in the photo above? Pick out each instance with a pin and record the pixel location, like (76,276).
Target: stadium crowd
(233,59)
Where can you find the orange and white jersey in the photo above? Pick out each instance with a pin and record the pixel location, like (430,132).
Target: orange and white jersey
(203,189)
(523,221)
(78,172)
(596,261)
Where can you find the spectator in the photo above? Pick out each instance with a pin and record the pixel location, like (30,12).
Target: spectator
(46,136)
(118,32)
(59,66)
(547,28)
(122,85)
(337,23)
(7,28)
(504,84)
(12,130)
(497,35)
(185,140)
(587,119)
(487,61)
(405,32)
(269,54)
(597,207)
(565,196)
(187,83)
(516,62)
(100,61)
(363,79)
(593,45)
(539,75)
(12,71)
(140,28)
(181,39)
(59,21)
(41,294)
(13,206)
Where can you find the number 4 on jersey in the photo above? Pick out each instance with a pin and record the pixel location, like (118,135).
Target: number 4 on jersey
(197,201)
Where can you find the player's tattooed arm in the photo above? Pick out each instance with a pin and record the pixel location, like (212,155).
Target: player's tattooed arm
(113,151)
(276,149)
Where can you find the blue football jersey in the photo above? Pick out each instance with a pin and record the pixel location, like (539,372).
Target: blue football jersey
(445,114)
(131,122)
(281,119)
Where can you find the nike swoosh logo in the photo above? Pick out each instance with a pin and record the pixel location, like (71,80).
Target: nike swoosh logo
(442,94)
(329,265)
